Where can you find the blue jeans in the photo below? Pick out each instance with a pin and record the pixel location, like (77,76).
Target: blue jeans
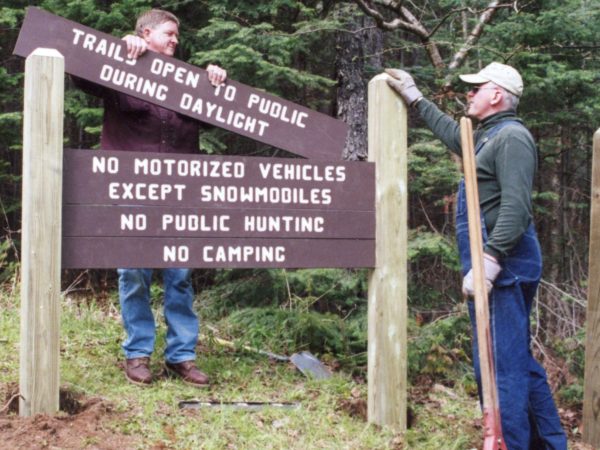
(181,320)
(527,409)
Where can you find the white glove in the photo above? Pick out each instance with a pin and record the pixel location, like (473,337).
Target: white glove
(491,269)
(404,84)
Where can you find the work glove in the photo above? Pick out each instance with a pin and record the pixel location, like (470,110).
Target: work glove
(491,270)
(404,85)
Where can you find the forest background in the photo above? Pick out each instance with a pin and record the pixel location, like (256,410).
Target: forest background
(322,54)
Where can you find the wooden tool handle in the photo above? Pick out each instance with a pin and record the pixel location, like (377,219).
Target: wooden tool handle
(493,438)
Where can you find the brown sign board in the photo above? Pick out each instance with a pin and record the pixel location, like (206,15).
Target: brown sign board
(139,209)
(165,221)
(106,253)
(184,88)
(145,178)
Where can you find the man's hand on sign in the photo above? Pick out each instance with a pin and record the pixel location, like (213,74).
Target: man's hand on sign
(216,75)
(136,46)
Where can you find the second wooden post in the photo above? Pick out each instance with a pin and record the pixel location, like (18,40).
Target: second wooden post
(387,348)
(591,393)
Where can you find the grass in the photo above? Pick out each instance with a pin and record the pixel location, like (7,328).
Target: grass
(90,365)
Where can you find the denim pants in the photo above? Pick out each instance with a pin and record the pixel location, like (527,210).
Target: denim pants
(527,410)
(181,320)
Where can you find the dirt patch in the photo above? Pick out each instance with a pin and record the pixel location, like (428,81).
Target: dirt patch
(81,423)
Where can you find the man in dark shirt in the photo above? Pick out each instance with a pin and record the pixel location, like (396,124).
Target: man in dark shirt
(506,163)
(136,125)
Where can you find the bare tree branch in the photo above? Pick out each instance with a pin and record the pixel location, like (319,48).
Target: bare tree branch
(430,47)
(407,21)
(459,57)
(370,10)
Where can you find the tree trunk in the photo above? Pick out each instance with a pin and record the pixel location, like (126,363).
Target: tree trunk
(358,59)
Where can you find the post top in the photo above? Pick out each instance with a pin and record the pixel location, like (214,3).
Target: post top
(380,77)
(50,52)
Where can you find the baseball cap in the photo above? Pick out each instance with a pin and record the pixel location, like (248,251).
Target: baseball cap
(503,75)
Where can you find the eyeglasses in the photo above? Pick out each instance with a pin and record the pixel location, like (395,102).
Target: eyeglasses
(476,89)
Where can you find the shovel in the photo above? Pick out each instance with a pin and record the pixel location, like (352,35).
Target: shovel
(492,428)
(305,362)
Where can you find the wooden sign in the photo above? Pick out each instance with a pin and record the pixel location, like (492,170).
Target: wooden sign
(166,221)
(132,209)
(145,178)
(107,253)
(184,88)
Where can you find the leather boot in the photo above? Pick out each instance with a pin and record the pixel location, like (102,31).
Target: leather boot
(188,372)
(137,371)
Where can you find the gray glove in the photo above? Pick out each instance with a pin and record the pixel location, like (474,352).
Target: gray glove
(491,269)
(404,85)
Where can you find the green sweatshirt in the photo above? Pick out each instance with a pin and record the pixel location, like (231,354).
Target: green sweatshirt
(506,167)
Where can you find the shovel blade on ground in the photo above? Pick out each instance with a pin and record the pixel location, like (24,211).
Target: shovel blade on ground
(306,362)
(310,365)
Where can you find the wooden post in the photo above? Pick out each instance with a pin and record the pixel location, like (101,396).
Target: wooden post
(591,393)
(41,232)
(387,373)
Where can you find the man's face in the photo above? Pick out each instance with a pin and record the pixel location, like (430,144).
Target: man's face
(481,100)
(163,38)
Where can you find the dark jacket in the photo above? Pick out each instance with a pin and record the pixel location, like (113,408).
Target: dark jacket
(137,125)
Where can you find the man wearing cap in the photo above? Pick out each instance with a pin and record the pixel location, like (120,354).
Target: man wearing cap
(506,164)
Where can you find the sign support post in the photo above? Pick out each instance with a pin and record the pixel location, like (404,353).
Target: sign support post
(387,347)
(591,393)
(41,232)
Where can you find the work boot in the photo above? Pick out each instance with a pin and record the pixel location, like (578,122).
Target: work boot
(137,371)
(188,372)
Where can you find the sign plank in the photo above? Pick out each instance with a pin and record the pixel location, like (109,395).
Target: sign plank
(128,178)
(105,253)
(132,209)
(184,88)
(164,221)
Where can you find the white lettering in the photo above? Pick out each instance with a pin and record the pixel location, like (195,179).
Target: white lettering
(145,191)
(179,74)
(185,168)
(263,125)
(78,34)
(303,172)
(269,195)
(276,110)
(230,92)
(288,224)
(100,46)
(130,222)
(132,82)
(89,41)
(193,222)
(244,253)
(172,253)
(253,100)
(101,164)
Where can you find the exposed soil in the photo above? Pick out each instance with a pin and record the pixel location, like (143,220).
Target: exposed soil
(81,423)
(91,423)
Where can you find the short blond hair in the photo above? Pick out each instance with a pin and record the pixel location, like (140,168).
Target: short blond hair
(153,18)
